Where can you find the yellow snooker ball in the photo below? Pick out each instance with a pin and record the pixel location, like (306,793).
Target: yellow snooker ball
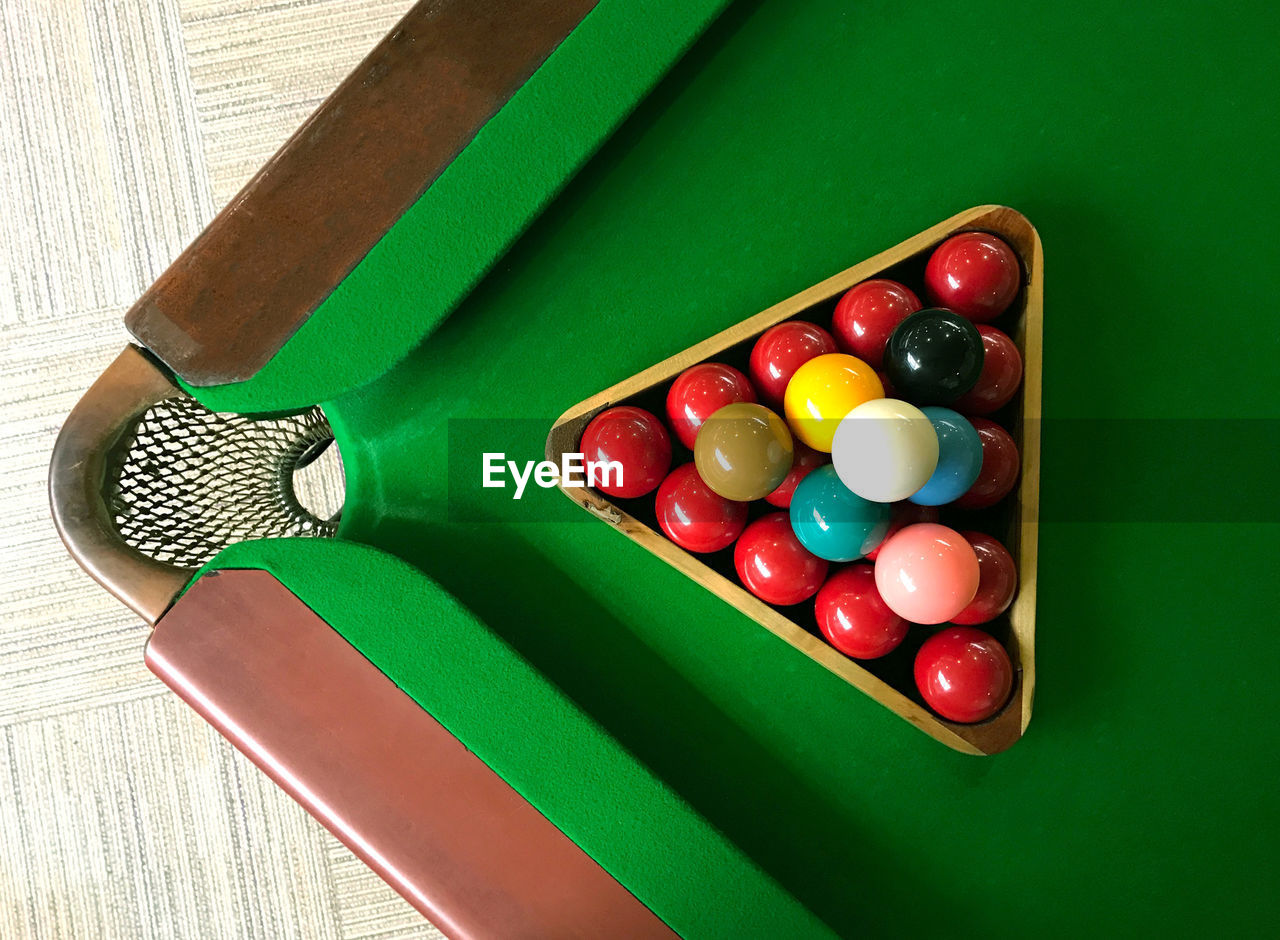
(823,391)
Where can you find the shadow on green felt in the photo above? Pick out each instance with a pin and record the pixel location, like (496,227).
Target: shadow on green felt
(807,842)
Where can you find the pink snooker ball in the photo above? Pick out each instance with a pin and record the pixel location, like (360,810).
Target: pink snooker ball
(927,573)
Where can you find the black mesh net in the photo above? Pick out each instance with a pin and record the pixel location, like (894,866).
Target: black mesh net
(187,482)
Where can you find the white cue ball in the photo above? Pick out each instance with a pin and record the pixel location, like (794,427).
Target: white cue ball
(885,449)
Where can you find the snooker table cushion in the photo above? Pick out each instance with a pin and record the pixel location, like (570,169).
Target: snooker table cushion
(533,736)
(437,252)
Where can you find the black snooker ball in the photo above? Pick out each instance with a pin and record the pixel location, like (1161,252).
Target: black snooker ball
(933,357)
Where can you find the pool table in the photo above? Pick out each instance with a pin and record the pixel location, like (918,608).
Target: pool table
(646,176)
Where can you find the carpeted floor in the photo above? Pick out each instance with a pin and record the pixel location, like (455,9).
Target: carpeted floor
(124,126)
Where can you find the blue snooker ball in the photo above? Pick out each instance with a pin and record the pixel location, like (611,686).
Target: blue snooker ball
(959,458)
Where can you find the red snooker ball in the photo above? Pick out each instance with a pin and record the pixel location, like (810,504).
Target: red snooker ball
(694,516)
(867,314)
(997,580)
(903,515)
(633,438)
(806,460)
(854,617)
(783,349)
(964,674)
(699,392)
(1000,464)
(1000,377)
(774,566)
(974,274)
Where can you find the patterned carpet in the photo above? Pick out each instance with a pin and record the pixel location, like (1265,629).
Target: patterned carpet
(124,126)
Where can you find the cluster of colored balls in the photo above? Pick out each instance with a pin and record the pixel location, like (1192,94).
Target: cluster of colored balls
(853,440)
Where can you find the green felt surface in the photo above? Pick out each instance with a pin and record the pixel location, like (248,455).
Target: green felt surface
(434,255)
(532,735)
(795,140)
